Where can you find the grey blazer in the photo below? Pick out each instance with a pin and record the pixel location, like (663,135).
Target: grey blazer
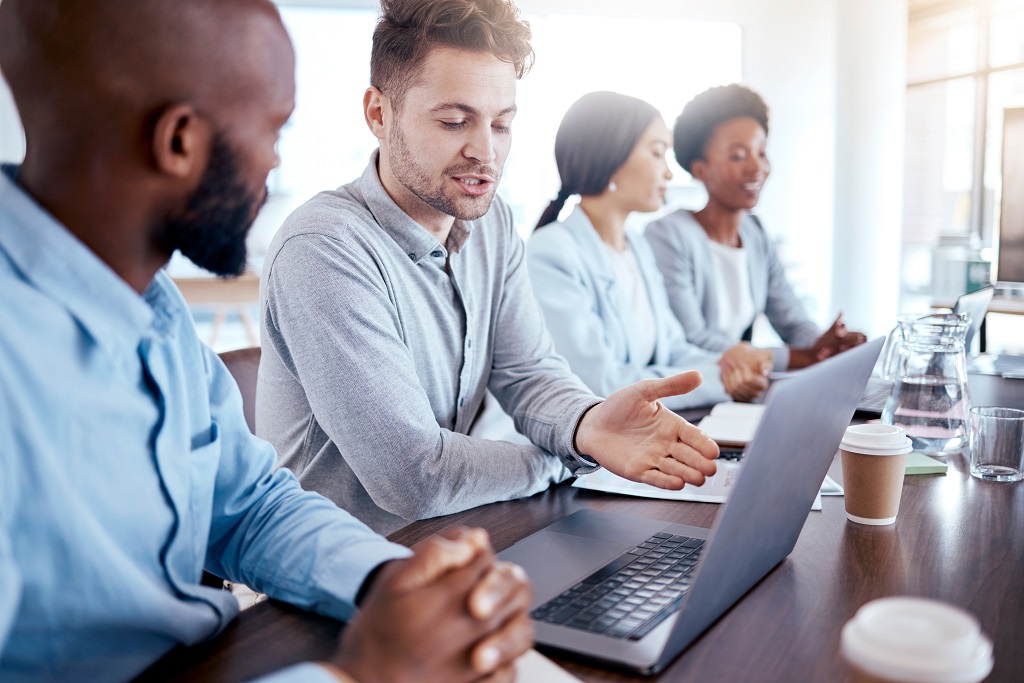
(585,309)
(684,258)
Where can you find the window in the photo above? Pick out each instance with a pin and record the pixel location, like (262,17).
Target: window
(965,67)
(327,143)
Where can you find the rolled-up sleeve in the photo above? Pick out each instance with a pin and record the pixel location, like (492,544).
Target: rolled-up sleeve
(269,533)
(783,309)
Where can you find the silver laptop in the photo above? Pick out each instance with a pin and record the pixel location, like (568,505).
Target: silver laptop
(635,592)
(975,304)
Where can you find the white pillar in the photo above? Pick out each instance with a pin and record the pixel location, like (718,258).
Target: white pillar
(870,95)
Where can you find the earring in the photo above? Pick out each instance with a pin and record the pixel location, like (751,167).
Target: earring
(612,186)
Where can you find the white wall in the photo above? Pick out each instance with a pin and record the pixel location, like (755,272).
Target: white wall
(870,144)
(833,74)
(789,56)
(836,139)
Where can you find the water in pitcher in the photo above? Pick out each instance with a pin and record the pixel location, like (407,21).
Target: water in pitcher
(932,410)
(930,398)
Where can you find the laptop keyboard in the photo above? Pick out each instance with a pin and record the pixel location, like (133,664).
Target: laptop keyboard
(630,595)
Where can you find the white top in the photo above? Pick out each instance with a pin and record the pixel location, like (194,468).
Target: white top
(640,323)
(736,310)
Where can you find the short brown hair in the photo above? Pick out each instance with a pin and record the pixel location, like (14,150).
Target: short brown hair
(408,29)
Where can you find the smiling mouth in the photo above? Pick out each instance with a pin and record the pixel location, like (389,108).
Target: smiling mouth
(752,187)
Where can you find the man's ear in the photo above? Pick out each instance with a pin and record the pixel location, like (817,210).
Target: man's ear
(181,141)
(376,110)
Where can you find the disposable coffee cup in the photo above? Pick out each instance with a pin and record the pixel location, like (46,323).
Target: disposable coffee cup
(915,640)
(874,461)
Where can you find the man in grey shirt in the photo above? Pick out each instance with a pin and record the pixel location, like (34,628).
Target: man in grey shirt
(393,303)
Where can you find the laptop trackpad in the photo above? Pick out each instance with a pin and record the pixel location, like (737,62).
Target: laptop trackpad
(577,558)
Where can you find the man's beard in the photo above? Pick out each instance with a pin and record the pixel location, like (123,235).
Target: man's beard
(431,191)
(211,230)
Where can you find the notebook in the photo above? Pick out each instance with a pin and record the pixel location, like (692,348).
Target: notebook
(732,424)
(919,463)
(634,592)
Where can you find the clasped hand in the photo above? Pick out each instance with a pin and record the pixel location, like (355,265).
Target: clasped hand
(448,614)
(745,371)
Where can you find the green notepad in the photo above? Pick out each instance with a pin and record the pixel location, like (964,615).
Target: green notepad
(919,463)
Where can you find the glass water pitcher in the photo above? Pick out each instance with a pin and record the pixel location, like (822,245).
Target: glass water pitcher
(926,361)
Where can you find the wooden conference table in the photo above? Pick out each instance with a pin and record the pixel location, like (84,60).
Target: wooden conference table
(956,539)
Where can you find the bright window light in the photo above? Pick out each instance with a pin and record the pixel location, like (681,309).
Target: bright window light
(327,143)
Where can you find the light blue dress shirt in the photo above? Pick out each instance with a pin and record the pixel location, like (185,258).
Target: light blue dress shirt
(126,467)
(587,313)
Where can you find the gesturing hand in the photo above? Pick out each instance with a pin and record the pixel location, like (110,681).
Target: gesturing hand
(832,341)
(451,612)
(632,435)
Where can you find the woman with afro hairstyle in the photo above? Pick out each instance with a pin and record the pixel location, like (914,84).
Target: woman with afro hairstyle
(597,283)
(719,266)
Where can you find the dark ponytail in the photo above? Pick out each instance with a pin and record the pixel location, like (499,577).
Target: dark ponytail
(550,214)
(596,136)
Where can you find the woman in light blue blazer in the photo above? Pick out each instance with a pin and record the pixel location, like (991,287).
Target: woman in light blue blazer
(599,287)
(720,268)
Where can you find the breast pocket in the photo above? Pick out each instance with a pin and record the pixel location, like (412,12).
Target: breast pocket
(204,461)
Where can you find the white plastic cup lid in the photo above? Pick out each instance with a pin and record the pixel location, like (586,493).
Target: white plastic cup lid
(876,439)
(916,640)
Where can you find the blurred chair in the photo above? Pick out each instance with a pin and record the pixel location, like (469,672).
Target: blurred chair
(244,364)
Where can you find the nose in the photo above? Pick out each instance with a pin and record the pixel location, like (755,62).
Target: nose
(757,165)
(481,145)
(668,172)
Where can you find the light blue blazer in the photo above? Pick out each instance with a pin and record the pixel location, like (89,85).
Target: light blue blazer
(586,314)
(684,259)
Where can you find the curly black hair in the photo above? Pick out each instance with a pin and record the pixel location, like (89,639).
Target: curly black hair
(708,110)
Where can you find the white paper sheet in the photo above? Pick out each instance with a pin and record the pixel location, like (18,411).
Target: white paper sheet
(715,490)
(533,667)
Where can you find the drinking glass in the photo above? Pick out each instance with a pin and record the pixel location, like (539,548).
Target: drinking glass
(997,443)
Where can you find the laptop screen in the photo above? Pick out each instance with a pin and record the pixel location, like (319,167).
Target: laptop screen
(975,304)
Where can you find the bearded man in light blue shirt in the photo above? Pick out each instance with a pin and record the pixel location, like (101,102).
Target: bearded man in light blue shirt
(126,466)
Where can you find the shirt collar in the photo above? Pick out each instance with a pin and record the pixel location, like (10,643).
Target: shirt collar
(412,237)
(56,262)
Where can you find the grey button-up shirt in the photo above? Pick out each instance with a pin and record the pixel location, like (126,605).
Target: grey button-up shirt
(378,346)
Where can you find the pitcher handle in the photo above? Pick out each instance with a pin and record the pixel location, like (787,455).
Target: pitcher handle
(889,355)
